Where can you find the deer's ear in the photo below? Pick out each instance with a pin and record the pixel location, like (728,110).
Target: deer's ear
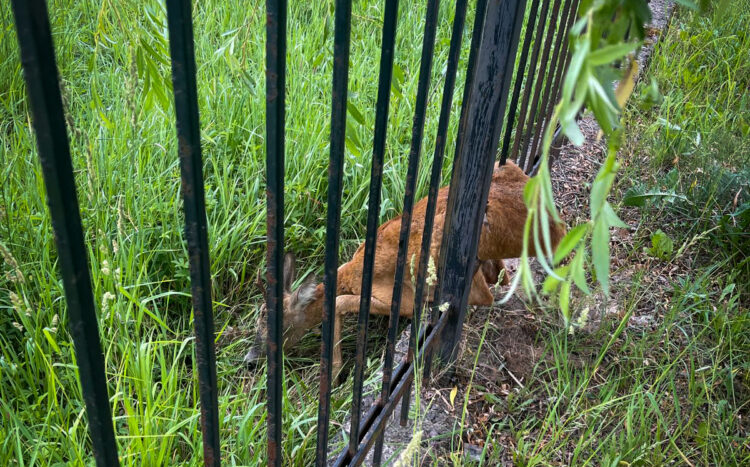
(261,285)
(289,271)
(305,294)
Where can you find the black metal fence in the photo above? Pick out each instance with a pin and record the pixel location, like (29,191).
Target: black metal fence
(489,106)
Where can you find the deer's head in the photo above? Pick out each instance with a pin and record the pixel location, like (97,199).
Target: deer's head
(299,316)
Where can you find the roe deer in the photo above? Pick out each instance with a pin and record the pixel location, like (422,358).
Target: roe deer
(501,237)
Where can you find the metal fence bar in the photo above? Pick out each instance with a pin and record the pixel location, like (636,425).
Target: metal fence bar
(454,52)
(342,31)
(40,70)
(402,376)
(372,413)
(423,88)
(276,12)
(390,20)
(558,140)
(541,26)
(535,114)
(552,75)
(196,228)
(476,39)
(475,156)
(520,74)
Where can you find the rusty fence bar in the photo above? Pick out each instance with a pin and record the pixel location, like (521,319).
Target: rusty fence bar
(423,87)
(534,116)
(475,155)
(454,51)
(557,140)
(541,27)
(276,12)
(520,75)
(411,177)
(476,39)
(390,20)
(196,228)
(341,42)
(40,71)
(547,102)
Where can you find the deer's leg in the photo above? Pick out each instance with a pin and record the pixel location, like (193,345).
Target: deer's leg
(492,269)
(506,276)
(480,293)
(344,304)
(350,304)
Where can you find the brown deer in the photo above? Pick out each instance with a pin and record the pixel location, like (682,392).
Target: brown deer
(501,237)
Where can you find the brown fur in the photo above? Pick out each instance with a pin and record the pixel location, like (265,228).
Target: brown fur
(501,237)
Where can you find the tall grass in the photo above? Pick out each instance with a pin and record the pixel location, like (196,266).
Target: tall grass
(677,390)
(115,76)
(696,131)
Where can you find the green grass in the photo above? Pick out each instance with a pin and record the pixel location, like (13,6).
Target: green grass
(115,75)
(677,392)
(114,67)
(697,138)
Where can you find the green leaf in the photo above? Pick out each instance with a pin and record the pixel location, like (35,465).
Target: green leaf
(577,272)
(662,246)
(599,191)
(551,282)
(574,69)
(398,80)
(571,130)
(355,113)
(52,342)
(352,147)
(610,53)
(633,197)
(687,4)
(579,25)
(612,217)
(600,254)
(351,134)
(565,300)
(602,184)
(529,190)
(727,290)
(398,74)
(570,242)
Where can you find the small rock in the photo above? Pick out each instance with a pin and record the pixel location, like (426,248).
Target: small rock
(473,452)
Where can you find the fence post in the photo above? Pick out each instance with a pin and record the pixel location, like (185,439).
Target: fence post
(475,154)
